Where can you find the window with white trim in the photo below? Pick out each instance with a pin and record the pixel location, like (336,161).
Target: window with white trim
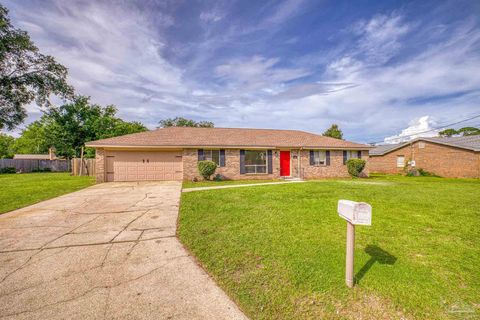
(400,161)
(212,155)
(319,158)
(255,161)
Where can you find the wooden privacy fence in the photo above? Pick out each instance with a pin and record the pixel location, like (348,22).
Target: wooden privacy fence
(83,167)
(32,165)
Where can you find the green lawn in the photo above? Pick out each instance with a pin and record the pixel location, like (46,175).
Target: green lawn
(279,251)
(189,184)
(20,190)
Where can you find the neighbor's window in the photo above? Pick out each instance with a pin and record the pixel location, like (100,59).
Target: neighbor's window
(319,158)
(400,161)
(255,161)
(212,155)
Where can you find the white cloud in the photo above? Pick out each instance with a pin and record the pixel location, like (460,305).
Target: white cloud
(380,37)
(420,127)
(211,16)
(117,54)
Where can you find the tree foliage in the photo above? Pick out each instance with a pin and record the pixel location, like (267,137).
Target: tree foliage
(70,126)
(26,75)
(465,131)
(32,140)
(334,132)
(6,146)
(183,122)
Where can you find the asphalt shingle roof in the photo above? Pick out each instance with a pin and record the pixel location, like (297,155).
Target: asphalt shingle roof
(226,137)
(467,142)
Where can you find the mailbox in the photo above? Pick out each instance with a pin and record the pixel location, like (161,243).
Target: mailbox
(357,213)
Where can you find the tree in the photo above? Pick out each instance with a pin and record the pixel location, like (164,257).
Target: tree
(334,132)
(448,132)
(26,75)
(469,131)
(69,126)
(465,131)
(32,139)
(183,122)
(6,146)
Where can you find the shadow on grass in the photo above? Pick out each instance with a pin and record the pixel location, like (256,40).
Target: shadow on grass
(376,254)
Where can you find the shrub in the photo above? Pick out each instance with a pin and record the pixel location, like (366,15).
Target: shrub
(206,168)
(355,167)
(8,170)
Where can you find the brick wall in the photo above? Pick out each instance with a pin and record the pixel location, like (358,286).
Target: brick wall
(336,169)
(442,160)
(231,169)
(232,166)
(100,165)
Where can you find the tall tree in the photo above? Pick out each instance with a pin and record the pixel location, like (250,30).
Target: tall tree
(26,75)
(32,139)
(334,132)
(69,126)
(183,122)
(6,146)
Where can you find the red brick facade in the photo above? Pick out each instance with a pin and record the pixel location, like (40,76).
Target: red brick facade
(299,163)
(300,166)
(445,161)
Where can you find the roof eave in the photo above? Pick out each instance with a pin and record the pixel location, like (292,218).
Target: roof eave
(223,146)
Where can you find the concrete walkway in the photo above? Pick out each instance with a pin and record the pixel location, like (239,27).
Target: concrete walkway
(109,252)
(240,185)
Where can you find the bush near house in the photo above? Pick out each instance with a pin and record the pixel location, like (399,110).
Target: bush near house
(206,168)
(355,167)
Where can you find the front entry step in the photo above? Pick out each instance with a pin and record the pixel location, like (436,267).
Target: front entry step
(291,179)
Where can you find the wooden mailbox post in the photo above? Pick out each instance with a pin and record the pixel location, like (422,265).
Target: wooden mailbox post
(356,213)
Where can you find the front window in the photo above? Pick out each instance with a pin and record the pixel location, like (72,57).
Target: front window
(352,154)
(255,161)
(212,155)
(319,158)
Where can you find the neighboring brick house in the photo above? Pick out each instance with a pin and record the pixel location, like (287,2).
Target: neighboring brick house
(173,154)
(453,157)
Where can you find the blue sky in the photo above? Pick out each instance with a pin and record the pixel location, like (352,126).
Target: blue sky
(373,67)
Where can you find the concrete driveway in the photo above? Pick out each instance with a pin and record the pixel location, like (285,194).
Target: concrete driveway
(108,251)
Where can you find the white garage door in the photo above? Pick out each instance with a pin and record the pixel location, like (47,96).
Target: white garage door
(144,166)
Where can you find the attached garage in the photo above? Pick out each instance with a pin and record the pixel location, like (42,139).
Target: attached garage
(143,165)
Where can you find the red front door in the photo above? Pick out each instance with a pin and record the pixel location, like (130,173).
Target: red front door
(285,163)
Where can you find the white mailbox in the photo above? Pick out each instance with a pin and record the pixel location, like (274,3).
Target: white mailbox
(358,213)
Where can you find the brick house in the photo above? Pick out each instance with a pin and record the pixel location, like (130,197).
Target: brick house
(452,157)
(173,154)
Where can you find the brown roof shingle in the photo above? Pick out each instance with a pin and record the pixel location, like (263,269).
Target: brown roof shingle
(226,137)
(467,142)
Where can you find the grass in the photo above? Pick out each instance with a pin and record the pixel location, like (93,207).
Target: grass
(279,251)
(189,184)
(20,190)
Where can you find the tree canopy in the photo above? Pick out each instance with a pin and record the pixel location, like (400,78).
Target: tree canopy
(6,146)
(334,132)
(26,75)
(70,126)
(465,131)
(183,122)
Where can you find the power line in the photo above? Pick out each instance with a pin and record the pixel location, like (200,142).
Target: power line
(437,128)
